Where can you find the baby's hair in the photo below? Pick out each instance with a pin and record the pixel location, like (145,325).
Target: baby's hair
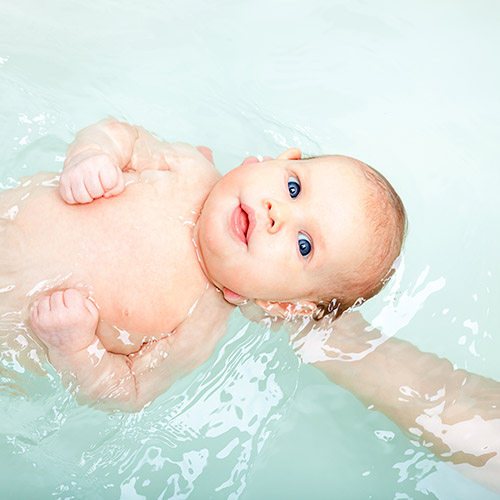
(388,220)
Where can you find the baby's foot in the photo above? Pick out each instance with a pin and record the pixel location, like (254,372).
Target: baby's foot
(65,320)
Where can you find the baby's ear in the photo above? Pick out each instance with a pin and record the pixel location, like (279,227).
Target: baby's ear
(290,154)
(233,297)
(287,310)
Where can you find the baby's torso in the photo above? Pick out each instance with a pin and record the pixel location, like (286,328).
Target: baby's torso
(133,254)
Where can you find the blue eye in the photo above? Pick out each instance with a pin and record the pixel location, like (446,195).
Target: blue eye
(293,186)
(305,245)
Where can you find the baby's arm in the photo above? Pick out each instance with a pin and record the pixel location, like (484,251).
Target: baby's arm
(100,153)
(66,323)
(456,413)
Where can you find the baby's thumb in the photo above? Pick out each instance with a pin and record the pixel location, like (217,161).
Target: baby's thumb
(92,308)
(117,187)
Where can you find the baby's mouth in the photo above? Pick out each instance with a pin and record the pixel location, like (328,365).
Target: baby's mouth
(239,223)
(243,222)
(249,220)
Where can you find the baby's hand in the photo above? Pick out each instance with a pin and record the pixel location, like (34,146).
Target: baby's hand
(65,321)
(90,175)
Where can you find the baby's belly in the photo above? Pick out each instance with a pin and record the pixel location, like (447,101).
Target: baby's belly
(136,262)
(143,301)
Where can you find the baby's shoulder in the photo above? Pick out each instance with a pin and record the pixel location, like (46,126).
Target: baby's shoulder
(189,161)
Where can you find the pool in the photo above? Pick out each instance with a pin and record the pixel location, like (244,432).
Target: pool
(411,89)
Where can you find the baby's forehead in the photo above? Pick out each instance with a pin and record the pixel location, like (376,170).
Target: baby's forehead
(332,162)
(332,171)
(334,193)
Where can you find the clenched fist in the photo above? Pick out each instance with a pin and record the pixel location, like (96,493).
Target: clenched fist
(90,175)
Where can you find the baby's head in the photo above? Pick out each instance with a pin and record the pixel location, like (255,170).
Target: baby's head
(301,236)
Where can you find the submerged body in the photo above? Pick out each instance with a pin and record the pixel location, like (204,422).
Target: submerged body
(140,250)
(131,253)
(125,281)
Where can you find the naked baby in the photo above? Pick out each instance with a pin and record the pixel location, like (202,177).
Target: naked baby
(128,267)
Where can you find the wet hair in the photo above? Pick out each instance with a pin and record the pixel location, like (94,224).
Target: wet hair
(387,218)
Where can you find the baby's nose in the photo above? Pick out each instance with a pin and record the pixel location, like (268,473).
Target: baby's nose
(278,214)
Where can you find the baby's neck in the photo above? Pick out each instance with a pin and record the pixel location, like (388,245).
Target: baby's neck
(199,253)
(231,297)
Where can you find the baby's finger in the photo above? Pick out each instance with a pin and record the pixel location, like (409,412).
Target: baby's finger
(109,177)
(44,305)
(57,300)
(66,194)
(120,185)
(80,193)
(93,185)
(92,308)
(72,298)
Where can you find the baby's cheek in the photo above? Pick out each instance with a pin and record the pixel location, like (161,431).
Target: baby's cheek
(260,281)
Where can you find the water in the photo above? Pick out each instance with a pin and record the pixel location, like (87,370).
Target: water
(410,89)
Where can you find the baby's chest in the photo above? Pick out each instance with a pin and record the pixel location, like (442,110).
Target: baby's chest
(134,254)
(147,277)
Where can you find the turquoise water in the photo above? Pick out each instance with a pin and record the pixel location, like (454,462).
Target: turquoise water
(411,89)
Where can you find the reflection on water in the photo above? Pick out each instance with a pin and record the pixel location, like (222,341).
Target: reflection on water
(207,430)
(389,83)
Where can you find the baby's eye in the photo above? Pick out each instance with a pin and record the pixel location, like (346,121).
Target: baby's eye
(305,245)
(293,186)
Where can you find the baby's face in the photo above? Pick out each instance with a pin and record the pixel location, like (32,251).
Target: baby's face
(280,230)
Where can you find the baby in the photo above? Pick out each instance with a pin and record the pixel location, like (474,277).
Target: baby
(131,264)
